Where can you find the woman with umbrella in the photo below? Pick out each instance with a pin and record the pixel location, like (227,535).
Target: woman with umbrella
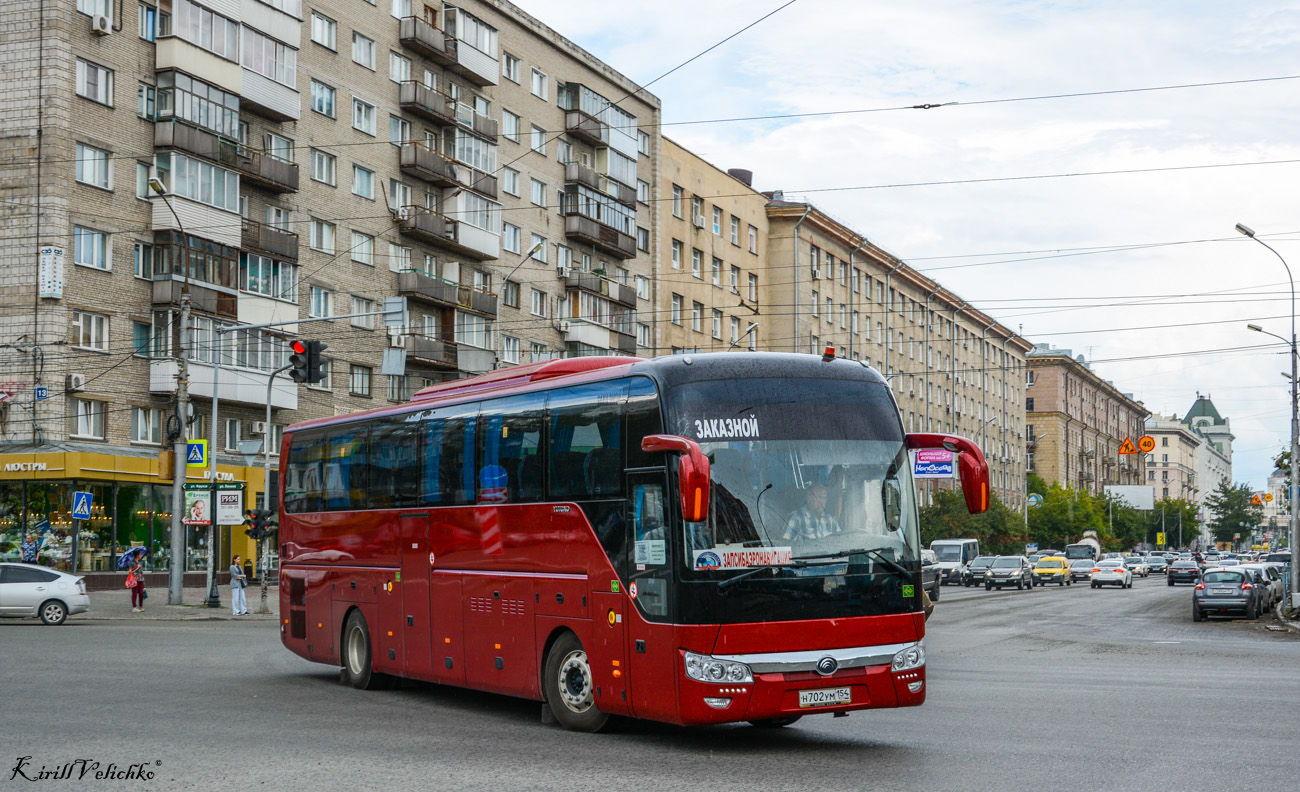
(134,560)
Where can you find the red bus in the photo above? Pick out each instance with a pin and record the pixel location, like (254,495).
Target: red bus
(692,539)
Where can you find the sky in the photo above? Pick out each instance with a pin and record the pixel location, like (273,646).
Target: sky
(1142,273)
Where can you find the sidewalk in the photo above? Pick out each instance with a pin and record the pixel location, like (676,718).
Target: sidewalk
(116,605)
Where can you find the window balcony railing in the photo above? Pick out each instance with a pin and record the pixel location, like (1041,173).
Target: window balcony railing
(428,40)
(587,281)
(254,166)
(431,350)
(435,106)
(576,172)
(419,286)
(609,240)
(430,227)
(424,163)
(586,127)
(268,239)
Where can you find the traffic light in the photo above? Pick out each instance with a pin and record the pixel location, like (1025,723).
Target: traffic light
(306,361)
(260,524)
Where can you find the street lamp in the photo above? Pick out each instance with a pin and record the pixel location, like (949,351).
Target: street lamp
(1295,421)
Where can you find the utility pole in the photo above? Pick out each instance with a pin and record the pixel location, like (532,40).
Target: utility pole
(176,571)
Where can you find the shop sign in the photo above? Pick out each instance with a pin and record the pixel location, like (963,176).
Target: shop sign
(230,504)
(51,275)
(24,467)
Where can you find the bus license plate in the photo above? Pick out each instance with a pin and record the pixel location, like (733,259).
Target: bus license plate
(824,698)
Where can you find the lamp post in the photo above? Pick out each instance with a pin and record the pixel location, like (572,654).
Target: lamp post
(176,567)
(1295,422)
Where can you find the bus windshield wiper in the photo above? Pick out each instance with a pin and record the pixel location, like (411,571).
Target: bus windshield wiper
(889,563)
(726,584)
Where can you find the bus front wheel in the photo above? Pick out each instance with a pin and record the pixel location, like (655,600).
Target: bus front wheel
(570,691)
(357,669)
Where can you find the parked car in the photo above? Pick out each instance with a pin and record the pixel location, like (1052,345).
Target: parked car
(1111,572)
(1138,565)
(30,591)
(1279,558)
(1081,569)
(954,555)
(1267,576)
(1009,571)
(1052,569)
(930,574)
(1183,571)
(1158,563)
(976,571)
(1224,591)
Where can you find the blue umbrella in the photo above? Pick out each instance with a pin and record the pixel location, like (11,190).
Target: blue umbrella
(129,556)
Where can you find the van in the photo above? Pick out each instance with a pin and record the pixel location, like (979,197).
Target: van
(954,555)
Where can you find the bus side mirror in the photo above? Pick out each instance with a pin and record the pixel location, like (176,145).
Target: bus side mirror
(971,466)
(692,473)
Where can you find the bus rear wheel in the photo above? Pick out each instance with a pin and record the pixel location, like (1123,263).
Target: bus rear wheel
(570,690)
(357,669)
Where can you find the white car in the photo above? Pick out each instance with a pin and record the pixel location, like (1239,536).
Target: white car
(1111,572)
(28,591)
(1271,579)
(1138,565)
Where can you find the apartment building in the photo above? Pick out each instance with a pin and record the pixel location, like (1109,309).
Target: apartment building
(313,158)
(1077,423)
(1214,455)
(952,367)
(713,264)
(1172,466)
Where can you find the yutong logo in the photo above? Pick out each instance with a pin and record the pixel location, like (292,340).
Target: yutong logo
(827,665)
(23,467)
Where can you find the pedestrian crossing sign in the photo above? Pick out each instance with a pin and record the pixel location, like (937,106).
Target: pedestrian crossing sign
(81,502)
(196,453)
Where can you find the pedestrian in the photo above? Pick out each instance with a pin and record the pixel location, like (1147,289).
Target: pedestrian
(137,590)
(29,549)
(238,602)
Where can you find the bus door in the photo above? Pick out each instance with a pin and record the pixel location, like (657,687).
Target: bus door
(416,648)
(650,650)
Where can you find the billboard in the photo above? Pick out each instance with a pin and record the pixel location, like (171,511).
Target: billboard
(1138,496)
(933,463)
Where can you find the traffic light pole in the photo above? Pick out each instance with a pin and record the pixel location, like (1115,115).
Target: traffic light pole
(264,567)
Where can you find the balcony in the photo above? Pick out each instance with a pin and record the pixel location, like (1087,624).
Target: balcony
(262,238)
(576,172)
(480,125)
(428,40)
(430,350)
(606,239)
(268,172)
(432,228)
(270,99)
(576,279)
(255,166)
(241,386)
(586,127)
(476,180)
(424,163)
(418,286)
(167,291)
(434,106)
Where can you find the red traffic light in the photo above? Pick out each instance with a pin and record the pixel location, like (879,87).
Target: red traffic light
(299,347)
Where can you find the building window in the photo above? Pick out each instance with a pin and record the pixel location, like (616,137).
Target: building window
(362,305)
(90,248)
(538,304)
(717,221)
(322,167)
(642,239)
(510,349)
(642,287)
(510,67)
(363,116)
(320,303)
(511,238)
(676,312)
(146,425)
(677,201)
(510,181)
(540,84)
(93,166)
(537,192)
(363,248)
(510,126)
(735,231)
(142,265)
(399,258)
(322,235)
(697,262)
(1164,441)
(146,100)
(753,240)
(1029,404)
(677,254)
(643,335)
(717,271)
(363,182)
(272,59)
(717,324)
(539,140)
(642,142)
(753,288)
(510,294)
(538,247)
(148,22)
(359,380)
(816,299)
(399,130)
(322,98)
(94,82)
(697,317)
(324,31)
(399,68)
(363,50)
(89,331)
(266,276)
(89,418)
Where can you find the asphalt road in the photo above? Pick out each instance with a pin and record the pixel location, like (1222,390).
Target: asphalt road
(1044,689)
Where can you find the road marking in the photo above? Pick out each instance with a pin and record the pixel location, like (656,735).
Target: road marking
(1168,642)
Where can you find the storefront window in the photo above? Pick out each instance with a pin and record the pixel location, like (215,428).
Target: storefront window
(133,520)
(95,540)
(49,516)
(160,556)
(11,520)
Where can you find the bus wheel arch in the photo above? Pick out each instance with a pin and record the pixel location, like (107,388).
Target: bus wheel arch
(567,683)
(356,652)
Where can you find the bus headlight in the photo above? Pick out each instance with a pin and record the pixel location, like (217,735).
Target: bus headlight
(703,668)
(909,658)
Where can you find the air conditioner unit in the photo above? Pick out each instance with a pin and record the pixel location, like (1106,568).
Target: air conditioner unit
(101,25)
(402,213)
(699,221)
(259,428)
(76,383)
(564,326)
(817,273)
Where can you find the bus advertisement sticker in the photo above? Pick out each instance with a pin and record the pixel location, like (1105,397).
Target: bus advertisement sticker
(613,586)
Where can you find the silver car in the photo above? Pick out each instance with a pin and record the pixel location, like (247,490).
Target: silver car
(27,591)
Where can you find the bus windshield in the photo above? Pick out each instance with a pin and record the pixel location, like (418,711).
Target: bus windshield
(802,472)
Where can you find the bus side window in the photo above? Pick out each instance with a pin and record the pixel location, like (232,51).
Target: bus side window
(345,470)
(642,418)
(586,441)
(394,466)
(302,486)
(450,473)
(510,437)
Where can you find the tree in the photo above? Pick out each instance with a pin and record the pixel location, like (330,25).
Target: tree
(1232,511)
(1063,516)
(999,530)
(1171,508)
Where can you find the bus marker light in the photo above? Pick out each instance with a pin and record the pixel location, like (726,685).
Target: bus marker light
(390,633)
(915,687)
(612,616)
(717,703)
(446,640)
(615,662)
(497,646)
(617,673)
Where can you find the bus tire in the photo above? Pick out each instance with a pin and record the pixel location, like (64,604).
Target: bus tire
(357,670)
(774,723)
(569,687)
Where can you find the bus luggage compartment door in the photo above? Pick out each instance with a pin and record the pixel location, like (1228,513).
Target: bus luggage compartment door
(416,648)
(500,639)
(608,651)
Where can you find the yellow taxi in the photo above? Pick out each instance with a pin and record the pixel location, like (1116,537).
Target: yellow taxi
(1052,569)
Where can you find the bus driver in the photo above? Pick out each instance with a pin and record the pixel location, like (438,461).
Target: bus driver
(811,521)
